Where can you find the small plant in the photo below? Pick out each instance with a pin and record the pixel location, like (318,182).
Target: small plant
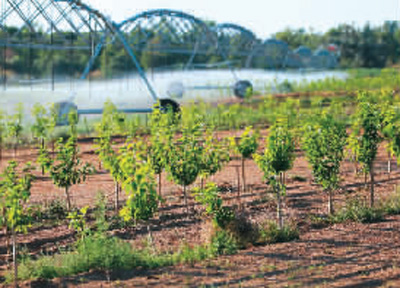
(270,233)
(105,130)
(243,230)
(323,141)
(391,205)
(44,159)
(215,156)
(223,243)
(247,145)
(41,130)
(390,130)
(278,158)
(186,158)
(77,222)
(138,184)
(357,210)
(162,130)
(56,210)
(14,126)
(209,197)
(73,119)
(365,138)
(105,150)
(14,194)
(111,162)
(100,252)
(100,211)
(67,169)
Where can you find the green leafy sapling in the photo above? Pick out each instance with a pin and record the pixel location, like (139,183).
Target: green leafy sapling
(14,126)
(278,157)
(105,150)
(162,131)
(67,169)
(105,130)
(209,197)
(215,156)
(14,194)
(186,158)
(366,135)
(41,130)
(44,159)
(42,121)
(111,162)
(390,130)
(53,120)
(138,183)
(324,140)
(247,145)
(73,119)
(77,221)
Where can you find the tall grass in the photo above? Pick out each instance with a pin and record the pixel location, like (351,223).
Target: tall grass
(105,254)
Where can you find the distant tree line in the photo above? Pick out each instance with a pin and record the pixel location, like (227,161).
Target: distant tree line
(369,46)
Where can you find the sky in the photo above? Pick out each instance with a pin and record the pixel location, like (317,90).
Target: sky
(265,17)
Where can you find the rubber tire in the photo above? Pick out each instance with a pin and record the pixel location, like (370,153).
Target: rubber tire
(241,89)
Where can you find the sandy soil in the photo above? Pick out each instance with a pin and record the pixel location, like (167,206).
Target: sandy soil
(345,255)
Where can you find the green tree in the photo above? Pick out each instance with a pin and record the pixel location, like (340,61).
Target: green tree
(14,194)
(162,131)
(67,169)
(366,135)
(138,184)
(278,157)
(111,162)
(246,145)
(105,131)
(105,150)
(14,126)
(186,158)
(324,141)
(390,130)
(215,155)
(41,130)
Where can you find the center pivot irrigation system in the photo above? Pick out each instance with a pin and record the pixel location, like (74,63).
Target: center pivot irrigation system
(67,31)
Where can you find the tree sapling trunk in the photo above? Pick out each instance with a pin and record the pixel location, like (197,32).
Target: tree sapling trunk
(116,198)
(185,199)
(279,207)
(68,198)
(330,202)
(371,173)
(243,174)
(42,147)
(15,264)
(159,184)
(15,151)
(238,185)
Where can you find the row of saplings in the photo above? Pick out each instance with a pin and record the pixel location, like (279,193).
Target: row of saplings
(186,153)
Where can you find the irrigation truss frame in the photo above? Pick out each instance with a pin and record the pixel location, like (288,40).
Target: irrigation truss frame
(71,25)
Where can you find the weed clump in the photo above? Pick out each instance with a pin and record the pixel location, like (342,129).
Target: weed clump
(269,233)
(359,211)
(223,243)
